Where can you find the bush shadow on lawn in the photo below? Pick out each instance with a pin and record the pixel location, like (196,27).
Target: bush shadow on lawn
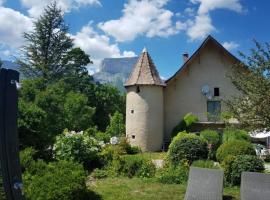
(89,194)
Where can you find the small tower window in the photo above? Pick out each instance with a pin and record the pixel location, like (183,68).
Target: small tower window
(216,92)
(132,111)
(138,89)
(133,136)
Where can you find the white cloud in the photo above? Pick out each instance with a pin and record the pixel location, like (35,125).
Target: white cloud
(208,5)
(189,11)
(12,26)
(145,17)
(98,46)
(35,7)
(230,45)
(201,27)
(202,24)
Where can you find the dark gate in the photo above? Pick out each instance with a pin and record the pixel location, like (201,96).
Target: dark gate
(9,150)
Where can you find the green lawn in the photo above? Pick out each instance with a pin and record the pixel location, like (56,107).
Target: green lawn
(143,189)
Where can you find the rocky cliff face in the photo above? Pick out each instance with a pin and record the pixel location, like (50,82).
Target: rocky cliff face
(115,71)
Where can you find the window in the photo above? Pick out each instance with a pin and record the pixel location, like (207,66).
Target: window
(138,89)
(133,136)
(132,111)
(213,110)
(216,92)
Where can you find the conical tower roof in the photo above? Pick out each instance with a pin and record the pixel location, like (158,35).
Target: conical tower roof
(144,72)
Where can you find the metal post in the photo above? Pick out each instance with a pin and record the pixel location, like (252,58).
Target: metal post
(9,144)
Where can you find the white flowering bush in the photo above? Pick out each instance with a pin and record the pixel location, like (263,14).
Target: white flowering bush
(79,147)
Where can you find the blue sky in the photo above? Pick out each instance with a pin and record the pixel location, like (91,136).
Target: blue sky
(117,28)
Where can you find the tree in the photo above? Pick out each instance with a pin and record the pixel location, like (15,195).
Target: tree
(1,63)
(44,112)
(252,79)
(49,51)
(117,125)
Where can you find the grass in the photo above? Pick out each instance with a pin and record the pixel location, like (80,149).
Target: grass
(155,155)
(121,188)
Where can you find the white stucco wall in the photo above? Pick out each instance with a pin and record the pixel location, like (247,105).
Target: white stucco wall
(183,94)
(146,123)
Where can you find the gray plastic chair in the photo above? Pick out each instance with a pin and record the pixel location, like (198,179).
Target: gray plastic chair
(255,186)
(204,184)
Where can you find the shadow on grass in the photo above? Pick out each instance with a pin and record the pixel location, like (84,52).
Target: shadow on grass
(227,197)
(90,195)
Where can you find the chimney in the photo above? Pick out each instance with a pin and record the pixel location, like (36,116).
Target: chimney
(185,57)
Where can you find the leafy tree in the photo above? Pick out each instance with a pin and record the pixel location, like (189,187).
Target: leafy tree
(78,115)
(117,126)
(45,112)
(107,100)
(252,78)
(1,63)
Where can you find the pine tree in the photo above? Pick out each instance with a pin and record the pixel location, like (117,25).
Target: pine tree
(252,78)
(49,52)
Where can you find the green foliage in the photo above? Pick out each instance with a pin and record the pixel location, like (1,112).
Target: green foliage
(235,165)
(267,158)
(27,157)
(131,166)
(235,134)
(205,164)
(251,77)
(173,174)
(58,180)
(77,112)
(213,140)
(79,147)
(100,173)
(185,124)
(187,146)
(234,148)
(211,137)
(44,112)
(117,125)
(49,51)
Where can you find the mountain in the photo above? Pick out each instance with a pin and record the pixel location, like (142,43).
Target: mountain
(115,71)
(10,65)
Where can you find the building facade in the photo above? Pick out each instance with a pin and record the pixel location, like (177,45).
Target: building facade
(200,86)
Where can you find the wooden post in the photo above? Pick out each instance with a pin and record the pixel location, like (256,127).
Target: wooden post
(9,144)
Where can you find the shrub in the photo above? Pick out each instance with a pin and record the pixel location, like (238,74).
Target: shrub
(234,148)
(213,139)
(234,134)
(187,146)
(211,136)
(184,124)
(63,180)
(227,167)
(267,158)
(131,166)
(79,147)
(241,163)
(27,157)
(100,173)
(131,150)
(173,174)
(205,164)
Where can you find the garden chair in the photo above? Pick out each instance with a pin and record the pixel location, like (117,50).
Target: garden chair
(204,184)
(255,186)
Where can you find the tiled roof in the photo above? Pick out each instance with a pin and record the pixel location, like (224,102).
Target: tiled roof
(144,72)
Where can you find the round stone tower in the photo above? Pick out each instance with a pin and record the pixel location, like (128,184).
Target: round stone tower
(144,105)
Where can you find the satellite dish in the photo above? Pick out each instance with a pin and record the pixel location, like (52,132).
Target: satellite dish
(205,90)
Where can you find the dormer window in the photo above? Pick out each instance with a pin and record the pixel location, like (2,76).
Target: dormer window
(138,89)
